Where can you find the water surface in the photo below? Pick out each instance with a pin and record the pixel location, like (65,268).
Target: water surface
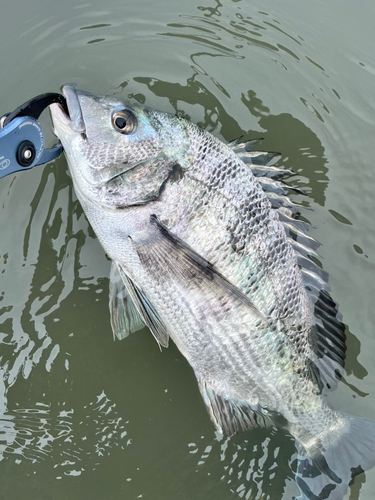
(82,416)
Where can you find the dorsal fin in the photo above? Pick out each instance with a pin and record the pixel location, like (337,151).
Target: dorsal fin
(328,331)
(236,144)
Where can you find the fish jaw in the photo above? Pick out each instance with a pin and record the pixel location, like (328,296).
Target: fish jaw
(71,133)
(72,129)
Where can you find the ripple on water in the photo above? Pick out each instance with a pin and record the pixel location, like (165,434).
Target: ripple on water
(48,431)
(47,259)
(51,258)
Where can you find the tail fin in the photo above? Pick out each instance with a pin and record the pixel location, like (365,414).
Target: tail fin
(346,449)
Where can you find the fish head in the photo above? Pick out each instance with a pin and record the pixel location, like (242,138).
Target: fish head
(120,153)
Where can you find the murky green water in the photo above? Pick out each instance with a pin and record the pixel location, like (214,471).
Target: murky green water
(84,417)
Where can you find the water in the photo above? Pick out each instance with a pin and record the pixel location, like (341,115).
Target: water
(84,417)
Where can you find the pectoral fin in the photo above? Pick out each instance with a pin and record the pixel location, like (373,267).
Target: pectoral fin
(125,318)
(169,256)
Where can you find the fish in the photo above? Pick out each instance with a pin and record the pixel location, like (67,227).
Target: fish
(207,250)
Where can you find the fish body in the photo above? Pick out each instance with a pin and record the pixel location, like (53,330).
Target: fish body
(201,255)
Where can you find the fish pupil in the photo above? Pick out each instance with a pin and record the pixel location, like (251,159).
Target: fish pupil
(120,122)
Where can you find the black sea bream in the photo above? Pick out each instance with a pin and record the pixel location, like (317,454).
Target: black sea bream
(203,255)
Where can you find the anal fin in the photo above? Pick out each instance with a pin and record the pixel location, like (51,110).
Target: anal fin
(232,415)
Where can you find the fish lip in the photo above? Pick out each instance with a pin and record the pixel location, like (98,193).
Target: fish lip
(74,107)
(75,117)
(58,112)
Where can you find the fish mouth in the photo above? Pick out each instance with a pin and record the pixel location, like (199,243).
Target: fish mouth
(75,117)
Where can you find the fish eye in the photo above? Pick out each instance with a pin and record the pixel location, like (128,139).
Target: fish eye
(124,121)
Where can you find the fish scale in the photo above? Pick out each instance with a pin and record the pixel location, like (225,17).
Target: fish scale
(253,202)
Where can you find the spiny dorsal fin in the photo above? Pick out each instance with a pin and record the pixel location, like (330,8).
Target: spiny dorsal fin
(236,144)
(328,332)
(245,151)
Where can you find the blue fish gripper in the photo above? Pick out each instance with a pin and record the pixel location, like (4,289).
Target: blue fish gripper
(22,144)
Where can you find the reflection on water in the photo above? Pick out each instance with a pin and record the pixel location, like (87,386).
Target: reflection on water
(46,278)
(308,161)
(53,260)
(252,467)
(72,403)
(75,443)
